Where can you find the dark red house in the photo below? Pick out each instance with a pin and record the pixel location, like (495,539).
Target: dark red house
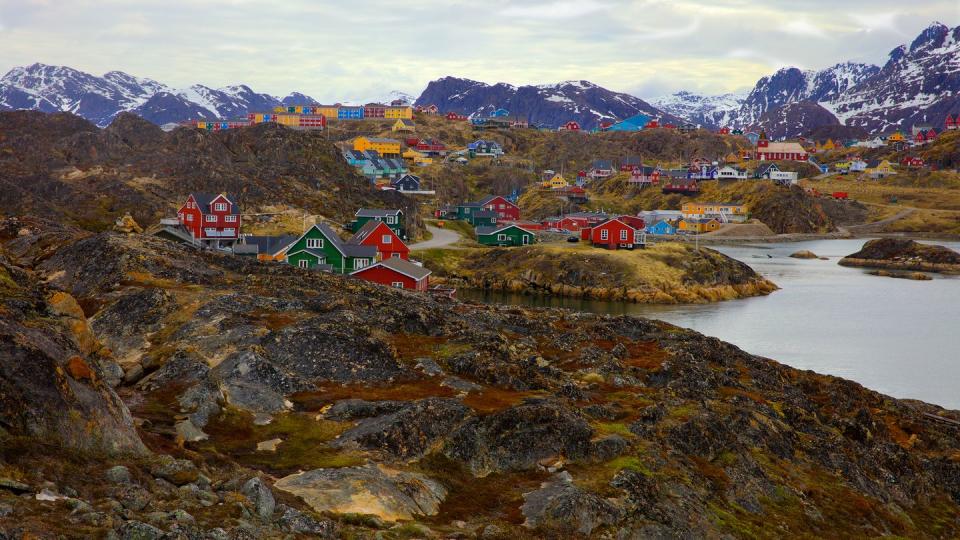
(912,161)
(634,221)
(653,124)
(397,273)
(378,234)
(572,125)
(430,146)
(614,234)
(505,210)
(951,123)
(724,131)
(211,219)
(452,116)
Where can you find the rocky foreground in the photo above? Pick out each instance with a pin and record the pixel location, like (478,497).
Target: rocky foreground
(904,254)
(151,391)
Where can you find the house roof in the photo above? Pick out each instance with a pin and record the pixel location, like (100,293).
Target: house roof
(312,251)
(714,203)
(783,148)
(763,169)
(349,250)
(401,266)
(484,213)
(366,230)
(631,160)
(406,122)
(484,231)
(602,164)
(204,199)
(269,244)
(381,140)
(377,212)
(404,177)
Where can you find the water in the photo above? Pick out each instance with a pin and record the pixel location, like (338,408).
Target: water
(896,336)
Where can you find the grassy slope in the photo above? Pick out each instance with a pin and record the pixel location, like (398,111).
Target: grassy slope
(667,272)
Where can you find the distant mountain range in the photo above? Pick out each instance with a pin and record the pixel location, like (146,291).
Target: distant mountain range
(918,84)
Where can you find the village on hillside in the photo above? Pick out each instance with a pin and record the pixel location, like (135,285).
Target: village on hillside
(382,144)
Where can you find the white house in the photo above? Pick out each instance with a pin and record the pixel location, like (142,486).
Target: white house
(732,173)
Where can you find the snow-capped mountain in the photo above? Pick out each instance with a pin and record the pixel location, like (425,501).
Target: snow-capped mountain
(918,84)
(708,111)
(100,99)
(550,105)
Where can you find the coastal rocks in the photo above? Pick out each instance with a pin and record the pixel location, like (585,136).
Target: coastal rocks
(175,471)
(804,254)
(561,506)
(409,432)
(371,489)
(520,437)
(903,254)
(915,276)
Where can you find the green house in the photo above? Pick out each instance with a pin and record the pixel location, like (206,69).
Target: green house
(507,235)
(465,211)
(393,219)
(321,249)
(483,218)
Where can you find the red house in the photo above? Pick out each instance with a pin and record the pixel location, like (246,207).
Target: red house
(376,233)
(634,221)
(920,137)
(614,234)
(951,123)
(454,117)
(572,125)
(211,219)
(396,273)
(912,161)
(724,131)
(653,124)
(606,124)
(430,146)
(505,210)
(931,135)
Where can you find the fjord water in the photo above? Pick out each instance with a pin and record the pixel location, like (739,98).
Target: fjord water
(897,336)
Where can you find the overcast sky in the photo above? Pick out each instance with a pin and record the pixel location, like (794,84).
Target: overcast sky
(357,49)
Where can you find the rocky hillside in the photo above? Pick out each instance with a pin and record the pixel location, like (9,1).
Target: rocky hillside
(793,118)
(62,167)
(903,254)
(100,99)
(279,401)
(548,105)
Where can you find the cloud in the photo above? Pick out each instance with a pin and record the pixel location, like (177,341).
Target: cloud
(564,9)
(803,27)
(873,22)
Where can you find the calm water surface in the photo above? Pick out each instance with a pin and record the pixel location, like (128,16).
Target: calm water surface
(897,336)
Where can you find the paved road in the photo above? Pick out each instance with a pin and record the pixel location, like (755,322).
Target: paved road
(441,238)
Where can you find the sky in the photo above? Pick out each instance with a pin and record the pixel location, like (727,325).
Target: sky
(335,50)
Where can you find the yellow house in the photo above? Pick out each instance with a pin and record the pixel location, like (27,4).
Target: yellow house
(287,119)
(896,137)
(557,182)
(394,112)
(829,145)
(731,158)
(699,225)
(880,169)
(729,211)
(385,147)
(330,111)
(403,124)
(417,157)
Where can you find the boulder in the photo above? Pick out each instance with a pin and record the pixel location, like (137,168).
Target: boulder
(519,437)
(295,521)
(137,530)
(409,432)
(175,471)
(250,382)
(561,506)
(118,475)
(260,495)
(389,494)
(804,254)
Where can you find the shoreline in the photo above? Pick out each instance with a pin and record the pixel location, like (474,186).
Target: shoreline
(803,237)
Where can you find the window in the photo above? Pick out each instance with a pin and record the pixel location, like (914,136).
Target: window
(502,206)
(360,263)
(604,234)
(387,239)
(220,207)
(623,236)
(231,219)
(501,237)
(303,263)
(211,218)
(525,239)
(314,242)
(397,284)
(394,255)
(391,219)
(189,217)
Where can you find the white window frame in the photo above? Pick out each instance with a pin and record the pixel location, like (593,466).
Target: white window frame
(623,235)
(501,237)
(303,263)
(231,219)
(391,220)
(220,207)
(386,239)
(604,234)
(315,243)
(525,239)
(395,255)
(210,218)
(359,264)
(397,285)
(189,217)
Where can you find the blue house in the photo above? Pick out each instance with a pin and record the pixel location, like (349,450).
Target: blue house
(634,123)
(350,112)
(500,113)
(662,227)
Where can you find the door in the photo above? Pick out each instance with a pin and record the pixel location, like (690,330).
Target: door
(525,239)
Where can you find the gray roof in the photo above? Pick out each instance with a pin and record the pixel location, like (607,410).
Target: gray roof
(602,164)
(484,213)
(404,267)
(490,230)
(364,232)
(350,250)
(377,212)
(267,244)
(204,200)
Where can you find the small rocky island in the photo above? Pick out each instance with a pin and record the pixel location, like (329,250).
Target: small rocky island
(904,254)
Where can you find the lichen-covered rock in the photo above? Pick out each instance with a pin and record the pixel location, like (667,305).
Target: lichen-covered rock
(519,437)
(409,432)
(388,494)
(295,521)
(561,506)
(175,471)
(260,495)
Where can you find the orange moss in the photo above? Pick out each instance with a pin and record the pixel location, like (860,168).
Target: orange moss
(714,473)
(316,400)
(729,391)
(491,399)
